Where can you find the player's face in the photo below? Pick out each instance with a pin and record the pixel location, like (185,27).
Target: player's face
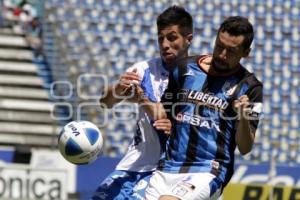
(172,44)
(228,52)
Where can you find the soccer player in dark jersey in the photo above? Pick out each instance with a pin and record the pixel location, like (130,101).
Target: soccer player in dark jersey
(214,104)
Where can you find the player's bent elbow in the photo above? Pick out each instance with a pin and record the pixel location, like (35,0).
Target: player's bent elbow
(105,104)
(244,151)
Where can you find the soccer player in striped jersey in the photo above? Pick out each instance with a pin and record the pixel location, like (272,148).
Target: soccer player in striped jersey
(214,104)
(130,178)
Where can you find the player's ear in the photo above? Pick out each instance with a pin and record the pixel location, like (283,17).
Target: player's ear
(189,38)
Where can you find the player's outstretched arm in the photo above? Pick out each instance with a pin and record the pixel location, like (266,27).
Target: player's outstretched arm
(121,90)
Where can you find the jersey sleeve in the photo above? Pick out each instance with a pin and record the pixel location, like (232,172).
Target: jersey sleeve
(255,96)
(139,67)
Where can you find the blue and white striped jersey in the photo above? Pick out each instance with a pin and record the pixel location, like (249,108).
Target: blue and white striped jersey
(145,150)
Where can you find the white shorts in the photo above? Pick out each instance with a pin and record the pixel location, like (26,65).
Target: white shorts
(185,186)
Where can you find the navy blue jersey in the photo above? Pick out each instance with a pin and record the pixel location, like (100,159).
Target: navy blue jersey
(204,122)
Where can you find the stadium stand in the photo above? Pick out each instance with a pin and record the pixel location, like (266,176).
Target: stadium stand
(24,91)
(84,41)
(107,37)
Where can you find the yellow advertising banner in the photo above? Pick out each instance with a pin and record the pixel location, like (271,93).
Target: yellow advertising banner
(260,192)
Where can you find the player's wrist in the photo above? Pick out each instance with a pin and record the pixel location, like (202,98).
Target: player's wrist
(118,89)
(141,97)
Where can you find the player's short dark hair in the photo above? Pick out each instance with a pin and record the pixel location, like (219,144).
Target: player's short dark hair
(176,15)
(237,25)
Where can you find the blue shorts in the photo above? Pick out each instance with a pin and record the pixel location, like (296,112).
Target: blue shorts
(120,185)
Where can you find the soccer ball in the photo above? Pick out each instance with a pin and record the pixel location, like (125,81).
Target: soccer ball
(80,142)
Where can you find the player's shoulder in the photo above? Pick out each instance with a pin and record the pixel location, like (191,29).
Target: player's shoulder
(250,78)
(142,66)
(147,67)
(180,66)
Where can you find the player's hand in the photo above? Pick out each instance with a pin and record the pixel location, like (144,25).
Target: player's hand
(241,106)
(125,83)
(163,125)
(137,93)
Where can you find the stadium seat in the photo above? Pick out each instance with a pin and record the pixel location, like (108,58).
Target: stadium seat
(277,37)
(23,55)
(295,37)
(243,9)
(286,26)
(31,140)
(17,92)
(22,128)
(13,41)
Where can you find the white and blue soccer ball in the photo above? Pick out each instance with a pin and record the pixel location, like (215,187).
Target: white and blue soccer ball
(80,142)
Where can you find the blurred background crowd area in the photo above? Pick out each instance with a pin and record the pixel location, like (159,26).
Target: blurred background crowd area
(57,55)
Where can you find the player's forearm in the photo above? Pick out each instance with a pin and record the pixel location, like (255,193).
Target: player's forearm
(155,110)
(244,136)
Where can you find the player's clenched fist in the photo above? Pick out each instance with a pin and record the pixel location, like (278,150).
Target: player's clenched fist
(125,83)
(163,125)
(241,106)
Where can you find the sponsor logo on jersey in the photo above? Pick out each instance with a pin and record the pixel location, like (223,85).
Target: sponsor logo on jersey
(207,99)
(197,120)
